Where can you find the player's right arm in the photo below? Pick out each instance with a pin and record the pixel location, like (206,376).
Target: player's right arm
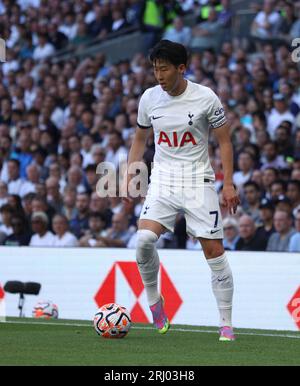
(139,142)
(136,153)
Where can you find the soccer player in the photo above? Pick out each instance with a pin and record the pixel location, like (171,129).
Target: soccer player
(181,114)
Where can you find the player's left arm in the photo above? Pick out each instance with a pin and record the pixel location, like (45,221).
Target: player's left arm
(230,195)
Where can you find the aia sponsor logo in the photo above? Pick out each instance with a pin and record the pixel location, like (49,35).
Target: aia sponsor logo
(175,140)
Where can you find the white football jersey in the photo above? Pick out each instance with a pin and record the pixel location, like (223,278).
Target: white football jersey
(181,129)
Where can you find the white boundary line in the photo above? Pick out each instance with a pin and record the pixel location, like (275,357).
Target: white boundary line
(151,328)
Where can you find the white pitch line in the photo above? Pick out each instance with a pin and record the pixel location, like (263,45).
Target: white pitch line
(151,328)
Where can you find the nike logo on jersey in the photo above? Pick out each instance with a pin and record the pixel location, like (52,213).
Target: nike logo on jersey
(153,117)
(223,278)
(217,230)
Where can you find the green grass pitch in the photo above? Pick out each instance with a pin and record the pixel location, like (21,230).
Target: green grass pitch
(65,342)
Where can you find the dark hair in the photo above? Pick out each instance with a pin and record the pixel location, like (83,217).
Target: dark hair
(15,161)
(273,143)
(279,182)
(90,168)
(7,208)
(295,182)
(97,215)
(274,170)
(171,52)
(252,183)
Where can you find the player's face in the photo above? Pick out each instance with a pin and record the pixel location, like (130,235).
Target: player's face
(168,76)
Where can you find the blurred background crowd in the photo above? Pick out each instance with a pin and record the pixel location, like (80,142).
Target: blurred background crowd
(60,118)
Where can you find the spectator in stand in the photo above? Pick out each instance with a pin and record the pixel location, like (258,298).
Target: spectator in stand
(27,205)
(33,173)
(6,213)
(231,233)
(41,237)
(289,26)
(266,212)
(5,151)
(69,28)
(39,204)
(101,205)
(62,238)
(57,38)
(54,197)
(270,157)
(279,113)
(246,167)
(293,194)
(75,179)
(91,177)
(277,189)
(296,153)
(3,193)
(80,223)
(97,223)
(252,197)
(20,236)
(179,32)
(207,34)
(56,172)
(225,18)
(17,185)
(86,149)
(294,243)
(279,240)
(250,239)
(116,153)
(118,21)
(15,201)
(284,204)
(283,140)
(267,22)
(23,153)
(81,36)
(118,235)
(43,49)
(69,203)
(269,175)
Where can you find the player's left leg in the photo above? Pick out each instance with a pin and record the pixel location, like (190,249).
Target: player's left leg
(204,221)
(222,283)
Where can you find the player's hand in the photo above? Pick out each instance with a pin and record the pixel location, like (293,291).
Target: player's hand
(231,198)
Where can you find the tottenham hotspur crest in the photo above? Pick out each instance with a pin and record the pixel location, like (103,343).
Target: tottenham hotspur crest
(190,116)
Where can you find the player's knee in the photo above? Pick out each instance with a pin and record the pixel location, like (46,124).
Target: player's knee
(146,240)
(213,250)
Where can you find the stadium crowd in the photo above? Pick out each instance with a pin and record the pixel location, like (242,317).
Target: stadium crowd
(60,119)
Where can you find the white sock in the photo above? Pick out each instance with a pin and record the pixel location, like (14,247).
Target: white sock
(153,296)
(222,286)
(148,264)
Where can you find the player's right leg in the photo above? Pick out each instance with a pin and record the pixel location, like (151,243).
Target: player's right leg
(148,264)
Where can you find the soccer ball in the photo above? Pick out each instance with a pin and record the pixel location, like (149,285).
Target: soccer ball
(112,321)
(45,310)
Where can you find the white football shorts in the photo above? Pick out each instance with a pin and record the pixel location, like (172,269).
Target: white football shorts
(201,210)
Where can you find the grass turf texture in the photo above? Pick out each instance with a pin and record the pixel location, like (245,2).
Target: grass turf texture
(66,342)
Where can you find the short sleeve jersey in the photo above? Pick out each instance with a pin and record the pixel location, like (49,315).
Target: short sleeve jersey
(181,127)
